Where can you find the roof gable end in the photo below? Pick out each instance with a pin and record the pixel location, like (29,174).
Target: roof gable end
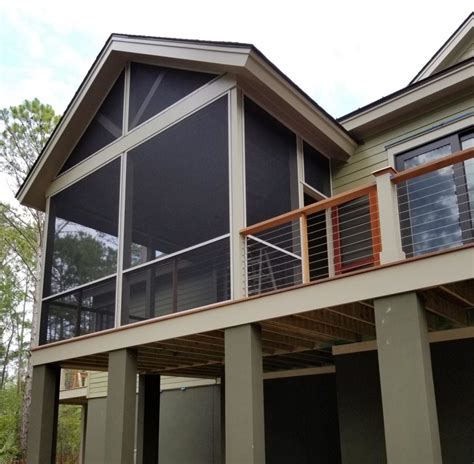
(238,61)
(458,48)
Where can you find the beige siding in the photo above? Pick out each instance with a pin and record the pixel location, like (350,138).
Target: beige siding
(372,155)
(98,383)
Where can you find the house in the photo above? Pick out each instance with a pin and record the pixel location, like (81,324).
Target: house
(206,219)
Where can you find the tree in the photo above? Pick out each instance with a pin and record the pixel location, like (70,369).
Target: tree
(26,128)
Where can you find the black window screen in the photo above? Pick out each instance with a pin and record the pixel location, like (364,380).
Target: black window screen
(82,231)
(154,88)
(86,310)
(316,170)
(178,186)
(103,129)
(270,165)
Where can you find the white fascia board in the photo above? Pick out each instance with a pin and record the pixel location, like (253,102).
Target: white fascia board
(436,63)
(411,96)
(226,56)
(267,75)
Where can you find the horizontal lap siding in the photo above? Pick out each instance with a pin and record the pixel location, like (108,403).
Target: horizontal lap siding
(98,383)
(372,155)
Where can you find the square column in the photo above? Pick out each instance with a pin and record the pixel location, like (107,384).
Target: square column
(406,380)
(121,407)
(148,420)
(44,415)
(244,420)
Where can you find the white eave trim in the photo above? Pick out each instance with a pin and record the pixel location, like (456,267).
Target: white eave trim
(411,96)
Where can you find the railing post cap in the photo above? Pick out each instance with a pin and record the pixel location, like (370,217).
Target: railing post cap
(385,170)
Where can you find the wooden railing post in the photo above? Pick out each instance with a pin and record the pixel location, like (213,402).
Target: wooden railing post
(304,248)
(390,237)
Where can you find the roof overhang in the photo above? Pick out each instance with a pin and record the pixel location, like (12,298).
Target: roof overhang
(416,99)
(458,47)
(252,70)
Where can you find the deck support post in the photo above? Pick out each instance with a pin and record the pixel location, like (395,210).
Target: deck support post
(244,420)
(406,380)
(148,419)
(121,407)
(44,414)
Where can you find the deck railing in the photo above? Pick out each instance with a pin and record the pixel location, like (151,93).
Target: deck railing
(425,209)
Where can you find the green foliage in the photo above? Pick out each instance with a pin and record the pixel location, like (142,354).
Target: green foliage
(9,422)
(24,130)
(80,257)
(27,128)
(69,433)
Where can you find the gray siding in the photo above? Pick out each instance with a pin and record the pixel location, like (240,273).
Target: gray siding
(95,431)
(360,404)
(189,429)
(190,426)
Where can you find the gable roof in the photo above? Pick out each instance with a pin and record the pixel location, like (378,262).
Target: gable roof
(245,62)
(459,47)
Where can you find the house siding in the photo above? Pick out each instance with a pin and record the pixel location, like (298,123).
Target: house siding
(98,382)
(372,154)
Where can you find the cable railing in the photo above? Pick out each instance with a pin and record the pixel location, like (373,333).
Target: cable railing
(433,209)
(436,204)
(328,238)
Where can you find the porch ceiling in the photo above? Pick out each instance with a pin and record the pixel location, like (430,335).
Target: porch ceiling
(292,342)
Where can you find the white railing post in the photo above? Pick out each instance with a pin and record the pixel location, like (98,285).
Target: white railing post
(389,219)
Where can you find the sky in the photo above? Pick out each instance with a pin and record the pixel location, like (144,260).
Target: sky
(343,53)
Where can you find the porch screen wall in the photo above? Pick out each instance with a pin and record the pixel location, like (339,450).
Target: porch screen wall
(317,172)
(270,165)
(105,127)
(81,249)
(154,88)
(178,197)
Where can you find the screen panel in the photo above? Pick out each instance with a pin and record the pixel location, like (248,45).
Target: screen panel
(178,186)
(317,173)
(154,88)
(270,165)
(82,231)
(86,310)
(103,129)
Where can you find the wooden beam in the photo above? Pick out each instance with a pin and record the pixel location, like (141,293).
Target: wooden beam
(463,291)
(341,321)
(356,311)
(445,308)
(309,328)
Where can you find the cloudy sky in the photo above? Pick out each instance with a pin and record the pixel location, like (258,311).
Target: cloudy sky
(344,54)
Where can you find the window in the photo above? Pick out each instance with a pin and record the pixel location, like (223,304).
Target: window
(436,209)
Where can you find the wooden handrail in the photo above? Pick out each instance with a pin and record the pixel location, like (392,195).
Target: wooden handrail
(426,168)
(336,200)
